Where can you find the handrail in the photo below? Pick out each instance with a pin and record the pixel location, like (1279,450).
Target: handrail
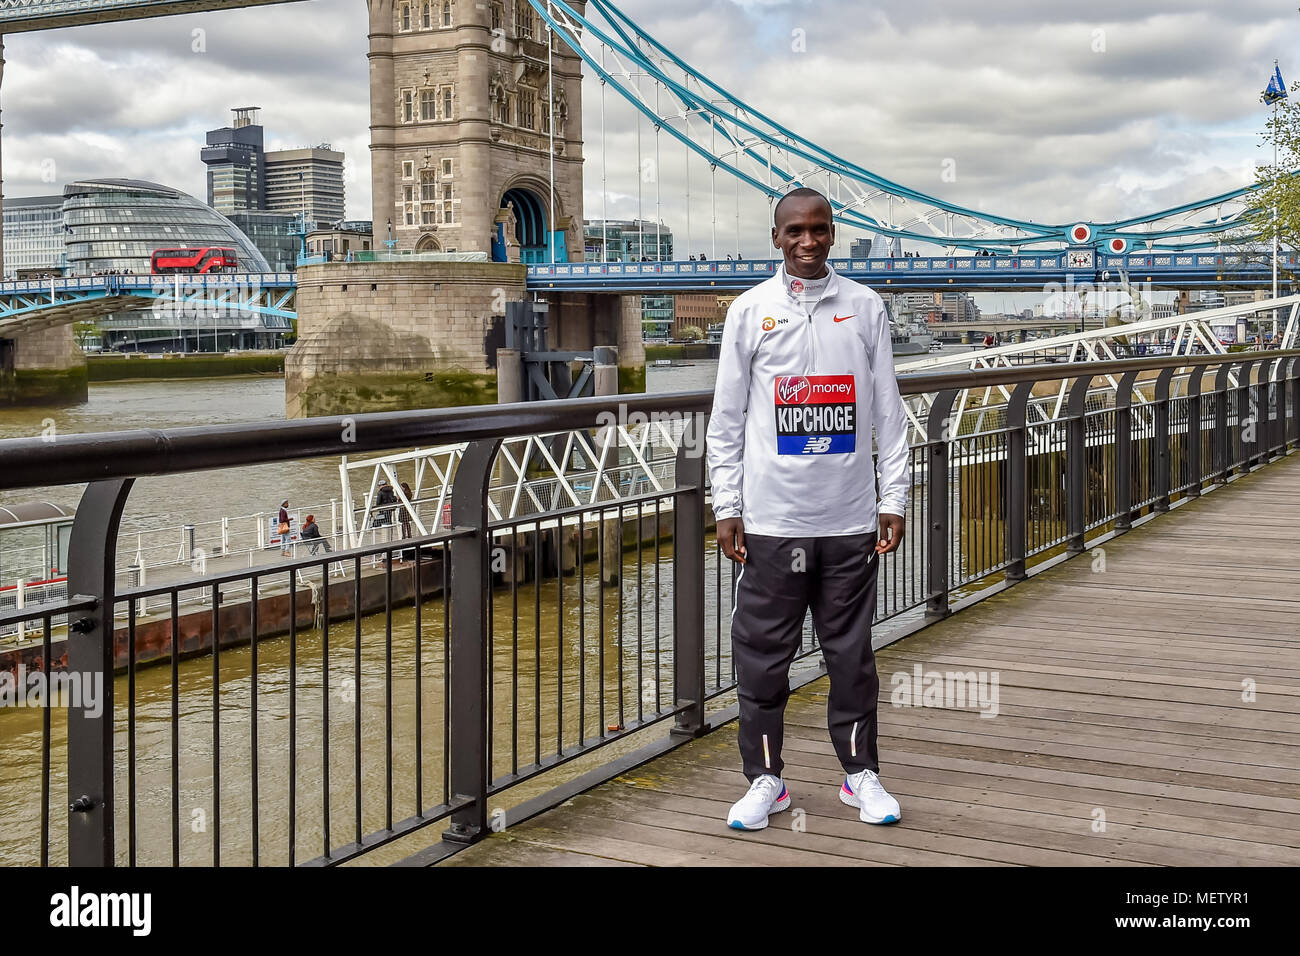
(27,462)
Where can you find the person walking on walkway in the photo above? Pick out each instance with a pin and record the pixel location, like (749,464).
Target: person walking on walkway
(406,512)
(806,369)
(282,527)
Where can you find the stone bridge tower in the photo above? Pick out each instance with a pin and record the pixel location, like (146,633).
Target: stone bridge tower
(461,127)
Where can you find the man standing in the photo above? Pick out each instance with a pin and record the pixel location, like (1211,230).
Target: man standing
(806,369)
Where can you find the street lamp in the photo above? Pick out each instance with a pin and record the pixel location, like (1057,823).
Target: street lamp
(390,241)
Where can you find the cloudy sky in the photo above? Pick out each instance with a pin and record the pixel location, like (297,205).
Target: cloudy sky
(1046,111)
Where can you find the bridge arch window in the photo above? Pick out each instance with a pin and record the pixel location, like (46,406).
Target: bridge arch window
(446,13)
(408,108)
(446,168)
(498,17)
(448,215)
(428,105)
(408,169)
(405,14)
(428,185)
(446,102)
(426,19)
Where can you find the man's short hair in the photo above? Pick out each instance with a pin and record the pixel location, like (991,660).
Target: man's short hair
(803,192)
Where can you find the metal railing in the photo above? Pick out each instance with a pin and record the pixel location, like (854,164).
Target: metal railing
(443,676)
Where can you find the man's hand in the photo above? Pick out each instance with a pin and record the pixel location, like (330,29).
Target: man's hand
(731,535)
(891,533)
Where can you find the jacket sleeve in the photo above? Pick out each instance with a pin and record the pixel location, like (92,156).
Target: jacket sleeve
(891,424)
(726,434)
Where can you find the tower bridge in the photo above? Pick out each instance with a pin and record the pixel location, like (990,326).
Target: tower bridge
(477,146)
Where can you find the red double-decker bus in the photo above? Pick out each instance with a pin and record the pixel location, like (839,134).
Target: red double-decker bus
(201,259)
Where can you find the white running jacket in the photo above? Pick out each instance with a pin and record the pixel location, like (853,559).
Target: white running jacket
(789,440)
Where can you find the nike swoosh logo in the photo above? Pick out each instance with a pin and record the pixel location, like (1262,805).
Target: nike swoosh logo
(841,318)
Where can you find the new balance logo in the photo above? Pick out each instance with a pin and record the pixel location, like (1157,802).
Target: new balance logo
(817,446)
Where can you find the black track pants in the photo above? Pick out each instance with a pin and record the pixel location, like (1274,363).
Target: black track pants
(781,579)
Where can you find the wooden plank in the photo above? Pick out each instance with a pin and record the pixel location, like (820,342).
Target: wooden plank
(806,721)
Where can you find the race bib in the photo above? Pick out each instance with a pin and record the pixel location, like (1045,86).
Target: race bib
(816,415)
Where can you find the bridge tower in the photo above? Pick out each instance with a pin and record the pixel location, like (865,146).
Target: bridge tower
(462,106)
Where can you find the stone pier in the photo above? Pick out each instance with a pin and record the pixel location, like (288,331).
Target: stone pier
(383,336)
(45,367)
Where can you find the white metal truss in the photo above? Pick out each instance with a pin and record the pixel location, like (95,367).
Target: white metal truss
(532,475)
(1186,334)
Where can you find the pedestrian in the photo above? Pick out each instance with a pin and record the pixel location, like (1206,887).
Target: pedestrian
(406,510)
(806,369)
(385,496)
(311,532)
(282,526)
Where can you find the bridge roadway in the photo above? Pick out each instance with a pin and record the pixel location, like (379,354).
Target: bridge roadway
(1121,702)
(962,271)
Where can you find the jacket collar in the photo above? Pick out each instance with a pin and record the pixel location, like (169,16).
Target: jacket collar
(832,285)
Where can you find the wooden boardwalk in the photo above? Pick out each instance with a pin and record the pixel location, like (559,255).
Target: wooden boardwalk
(1122,737)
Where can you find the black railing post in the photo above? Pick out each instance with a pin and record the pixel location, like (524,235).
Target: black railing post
(1250,435)
(1124,451)
(1076,463)
(1017,480)
(1268,396)
(939,430)
(1194,411)
(1244,414)
(466,680)
(92,556)
(1293,422)
(688,581)
(1222,443)
(1161,457)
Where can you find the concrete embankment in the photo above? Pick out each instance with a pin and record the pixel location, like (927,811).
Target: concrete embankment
(142,366)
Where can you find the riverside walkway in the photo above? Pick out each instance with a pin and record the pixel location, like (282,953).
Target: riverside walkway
(1148,714)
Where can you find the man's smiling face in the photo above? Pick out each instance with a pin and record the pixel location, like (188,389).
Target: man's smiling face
(804,232)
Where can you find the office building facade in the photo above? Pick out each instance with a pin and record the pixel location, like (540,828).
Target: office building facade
(631,240)
(33,236)
(307,182)
(235,159)
(277,236)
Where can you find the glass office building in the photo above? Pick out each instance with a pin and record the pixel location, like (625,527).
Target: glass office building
(116,224)
(277,235)
(33,236)
(631,240)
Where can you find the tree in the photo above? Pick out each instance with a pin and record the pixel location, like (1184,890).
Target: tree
(1277,187)
(691,333)
(87,333)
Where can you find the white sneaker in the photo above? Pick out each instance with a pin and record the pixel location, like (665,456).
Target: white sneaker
(875,805)
(767,794)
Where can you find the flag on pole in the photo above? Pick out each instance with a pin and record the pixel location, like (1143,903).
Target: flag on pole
(1276,89)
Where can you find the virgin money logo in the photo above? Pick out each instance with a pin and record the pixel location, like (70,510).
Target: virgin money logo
(793,389)
(796,286)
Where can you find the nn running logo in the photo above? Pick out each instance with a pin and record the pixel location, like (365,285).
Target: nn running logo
(815,415)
